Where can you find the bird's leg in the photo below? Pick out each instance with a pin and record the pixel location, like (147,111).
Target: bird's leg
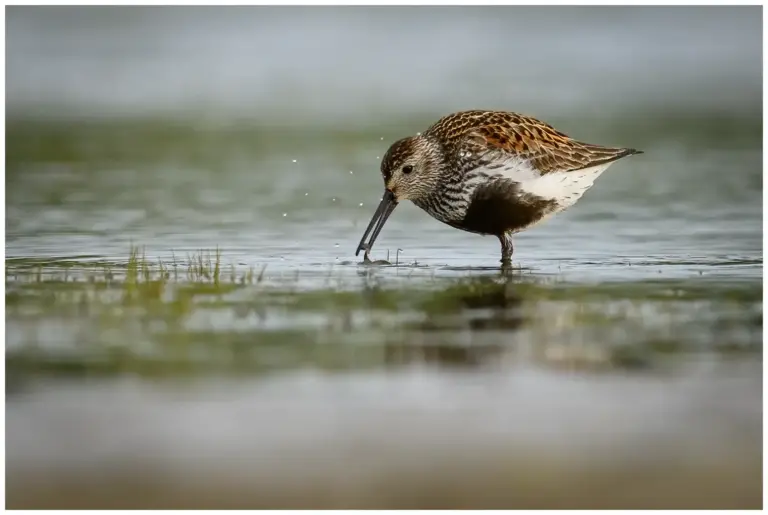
(506,250)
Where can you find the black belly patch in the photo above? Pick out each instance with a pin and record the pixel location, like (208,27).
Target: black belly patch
(500,206)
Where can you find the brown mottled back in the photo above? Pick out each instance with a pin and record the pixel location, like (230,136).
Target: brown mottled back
(504,134)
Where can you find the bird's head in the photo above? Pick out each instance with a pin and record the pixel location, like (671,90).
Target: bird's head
(411,170)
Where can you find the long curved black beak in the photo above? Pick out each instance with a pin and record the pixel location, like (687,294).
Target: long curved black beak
(386,206)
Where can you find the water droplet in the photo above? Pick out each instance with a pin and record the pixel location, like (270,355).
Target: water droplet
(377,157)
(382,138)
(285,214)
(306,194)
(336,245)
(361,204)
(294,160)
(334,199)
(418,134)
(350,172)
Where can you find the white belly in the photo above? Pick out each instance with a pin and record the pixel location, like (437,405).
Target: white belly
(565,188)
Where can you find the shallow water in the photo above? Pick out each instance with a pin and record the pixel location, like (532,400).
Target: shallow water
(625,348)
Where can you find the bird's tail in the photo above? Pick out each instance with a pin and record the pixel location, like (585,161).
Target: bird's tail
(600,155)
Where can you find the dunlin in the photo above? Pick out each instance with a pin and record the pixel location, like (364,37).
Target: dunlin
(489,172)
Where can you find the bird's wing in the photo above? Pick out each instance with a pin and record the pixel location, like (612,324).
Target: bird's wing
(499,137)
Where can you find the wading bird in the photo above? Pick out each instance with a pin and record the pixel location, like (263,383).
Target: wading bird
(489,172)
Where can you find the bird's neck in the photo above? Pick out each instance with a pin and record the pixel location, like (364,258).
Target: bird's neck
(447,199)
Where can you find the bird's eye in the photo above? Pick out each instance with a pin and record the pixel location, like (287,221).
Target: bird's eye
(407,169)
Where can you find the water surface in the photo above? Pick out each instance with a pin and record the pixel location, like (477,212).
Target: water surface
(144,371)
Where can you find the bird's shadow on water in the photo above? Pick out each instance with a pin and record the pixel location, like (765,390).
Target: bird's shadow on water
(515,272)
(508,271)
(385,263)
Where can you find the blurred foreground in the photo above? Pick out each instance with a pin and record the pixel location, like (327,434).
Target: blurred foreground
(196,385)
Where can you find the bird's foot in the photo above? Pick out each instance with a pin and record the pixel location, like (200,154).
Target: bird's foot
(506,251)
(506,265)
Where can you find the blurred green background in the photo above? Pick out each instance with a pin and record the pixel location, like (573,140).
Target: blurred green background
(187,325)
